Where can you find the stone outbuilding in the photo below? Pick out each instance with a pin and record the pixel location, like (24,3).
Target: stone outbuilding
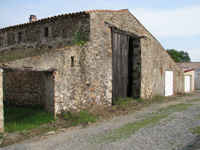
(195,66)
(74,60)
(189,77)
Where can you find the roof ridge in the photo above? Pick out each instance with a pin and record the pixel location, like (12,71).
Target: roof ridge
(62,15)
(106,10)
(187,62)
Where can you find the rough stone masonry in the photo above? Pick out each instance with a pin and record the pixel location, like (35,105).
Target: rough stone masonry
(75,51)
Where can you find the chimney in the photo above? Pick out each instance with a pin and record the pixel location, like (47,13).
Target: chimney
(32,18)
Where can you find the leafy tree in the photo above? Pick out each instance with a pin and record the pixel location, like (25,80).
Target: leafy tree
(179,56)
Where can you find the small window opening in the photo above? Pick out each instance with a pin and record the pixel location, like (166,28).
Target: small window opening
(46,32)
(72,61)
(19,37)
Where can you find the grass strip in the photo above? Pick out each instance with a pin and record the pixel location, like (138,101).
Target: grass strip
(129,129)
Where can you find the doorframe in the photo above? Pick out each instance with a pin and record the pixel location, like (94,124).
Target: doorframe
(126,33)
(190,83)
(2,118)
(172,83)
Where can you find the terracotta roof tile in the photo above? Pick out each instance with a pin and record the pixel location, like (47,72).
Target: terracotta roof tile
(188,70)
(189,65)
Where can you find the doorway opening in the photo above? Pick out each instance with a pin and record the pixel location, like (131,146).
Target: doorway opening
(28,99)
(126,65)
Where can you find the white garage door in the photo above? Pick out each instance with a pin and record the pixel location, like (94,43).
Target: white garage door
(169,83)
(187,84)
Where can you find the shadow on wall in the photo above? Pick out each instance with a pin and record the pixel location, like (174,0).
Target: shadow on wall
(29,88)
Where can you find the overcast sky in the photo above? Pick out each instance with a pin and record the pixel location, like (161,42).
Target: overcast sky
(175,23)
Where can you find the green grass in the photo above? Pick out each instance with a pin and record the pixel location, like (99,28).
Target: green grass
(128,129)
(195,100)
(159,98)
(195,130)
(1,135)
(126,101)
(197,117)
(22,118)
(175,108)
(77,118)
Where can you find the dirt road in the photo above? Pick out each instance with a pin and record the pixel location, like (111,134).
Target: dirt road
(166,126)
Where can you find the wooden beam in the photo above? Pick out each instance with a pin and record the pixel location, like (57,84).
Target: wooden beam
(117,30)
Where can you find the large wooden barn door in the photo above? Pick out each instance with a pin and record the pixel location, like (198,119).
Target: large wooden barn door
(126,65)
(120,43)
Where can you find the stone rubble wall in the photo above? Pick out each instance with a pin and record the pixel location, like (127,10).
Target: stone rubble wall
(1,103)
(67,89)
(192,79)
(62,31)
(28,89)
(23,88)
(89,80)
(154,59)
(53,53)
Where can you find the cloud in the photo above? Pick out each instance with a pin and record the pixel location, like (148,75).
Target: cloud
(194,54)
(171,23)
(177,28)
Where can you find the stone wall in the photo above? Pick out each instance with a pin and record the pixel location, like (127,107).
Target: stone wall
(155,62)
(88,80)
(1,103)
(67,35)
(192,81)
(28,88)
(63,31)
(154,58)
(68,84)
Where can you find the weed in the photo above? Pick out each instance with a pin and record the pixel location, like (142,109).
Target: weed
(128,100)
(1,135)
(80,38)
(159,98)
(175,108)
(125,101)
(195,130)
(82,117)
(20,119)
(195,100)
(197,117)
(184,94)
(128,129)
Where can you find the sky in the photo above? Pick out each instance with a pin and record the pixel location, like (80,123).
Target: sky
(175,23)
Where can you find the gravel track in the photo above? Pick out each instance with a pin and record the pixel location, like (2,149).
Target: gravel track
(171,133)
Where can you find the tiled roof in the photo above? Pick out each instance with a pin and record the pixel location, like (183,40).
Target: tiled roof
(188,70)
(104,10)
(189,65)
(62,15)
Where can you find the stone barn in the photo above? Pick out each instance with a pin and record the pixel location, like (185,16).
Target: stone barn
(189,80)
(195,66)
(74,60)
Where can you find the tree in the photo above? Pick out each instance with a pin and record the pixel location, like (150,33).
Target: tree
(179,56)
